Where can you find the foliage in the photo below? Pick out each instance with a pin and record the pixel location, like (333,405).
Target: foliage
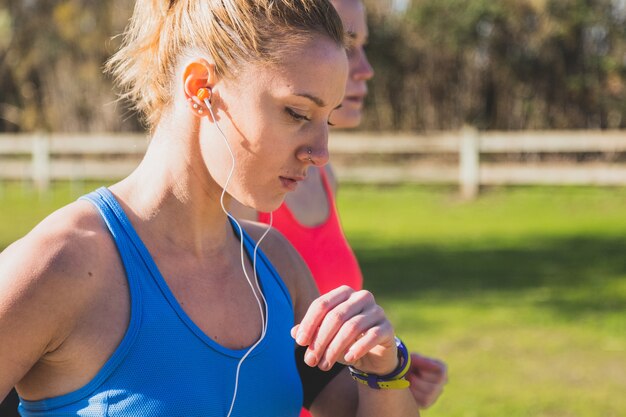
(499,64)
(495,64)
(51,65)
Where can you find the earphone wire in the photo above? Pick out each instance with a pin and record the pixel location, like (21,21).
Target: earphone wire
(264,317)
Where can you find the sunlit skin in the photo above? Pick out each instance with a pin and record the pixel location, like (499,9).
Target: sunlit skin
(271,145)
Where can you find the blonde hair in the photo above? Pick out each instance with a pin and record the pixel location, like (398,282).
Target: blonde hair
(231,32)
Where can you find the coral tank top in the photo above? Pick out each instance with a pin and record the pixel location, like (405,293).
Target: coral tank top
(324,247)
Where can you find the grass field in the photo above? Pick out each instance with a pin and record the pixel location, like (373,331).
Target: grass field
(522,292)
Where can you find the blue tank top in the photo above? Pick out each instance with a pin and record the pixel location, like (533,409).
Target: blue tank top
(166,366)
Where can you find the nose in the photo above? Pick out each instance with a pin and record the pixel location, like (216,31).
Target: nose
(316,151)
(361,68)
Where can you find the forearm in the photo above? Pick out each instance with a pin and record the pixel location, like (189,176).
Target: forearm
(385,402)
(348,326)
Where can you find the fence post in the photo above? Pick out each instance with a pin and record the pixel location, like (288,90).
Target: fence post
(41,161)
(469,163)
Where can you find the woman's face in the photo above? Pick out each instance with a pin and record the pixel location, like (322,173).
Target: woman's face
(352,14)
(276,121)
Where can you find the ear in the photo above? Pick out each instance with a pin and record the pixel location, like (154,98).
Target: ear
(198,74)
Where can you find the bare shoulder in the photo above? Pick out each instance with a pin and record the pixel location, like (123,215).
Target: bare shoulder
(47,279)
(56,246)
(287,262)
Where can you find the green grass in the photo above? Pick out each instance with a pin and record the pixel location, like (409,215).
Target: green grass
(522,292)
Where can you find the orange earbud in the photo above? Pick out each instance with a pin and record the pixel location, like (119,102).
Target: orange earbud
(204,93)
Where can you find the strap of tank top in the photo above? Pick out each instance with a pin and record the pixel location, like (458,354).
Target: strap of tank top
(333,215)
(133,238)
(330,195)
(108,212)
(112,221)
(130,259)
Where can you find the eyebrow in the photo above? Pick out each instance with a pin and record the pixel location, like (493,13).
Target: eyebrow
(353,36)
(318,101)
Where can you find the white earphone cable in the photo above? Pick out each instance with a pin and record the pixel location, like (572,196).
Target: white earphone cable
(264,314)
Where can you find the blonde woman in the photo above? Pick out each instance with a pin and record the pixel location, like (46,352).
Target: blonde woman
(145,298)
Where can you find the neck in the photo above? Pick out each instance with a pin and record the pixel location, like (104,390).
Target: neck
(172,196)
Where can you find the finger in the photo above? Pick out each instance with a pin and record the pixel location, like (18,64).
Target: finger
(317,311)
(424,393)
(380,335)
(344,324)
(425,364)
(349,332)
(421,385)
(428,376)
(433,378)
(427,369)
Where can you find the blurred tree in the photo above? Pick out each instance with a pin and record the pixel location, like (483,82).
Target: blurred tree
(495,64)
(498,64)
(51,65)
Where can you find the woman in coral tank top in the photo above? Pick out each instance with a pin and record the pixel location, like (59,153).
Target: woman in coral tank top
(309,218)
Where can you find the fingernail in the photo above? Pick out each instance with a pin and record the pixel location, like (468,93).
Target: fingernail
(349,356)
(324,366)
(300,338)
(310,358)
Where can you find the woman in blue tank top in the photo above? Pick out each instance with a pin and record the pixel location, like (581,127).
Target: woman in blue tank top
(146,298)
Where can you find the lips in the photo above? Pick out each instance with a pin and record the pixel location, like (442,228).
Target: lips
(356,99)
(290,183)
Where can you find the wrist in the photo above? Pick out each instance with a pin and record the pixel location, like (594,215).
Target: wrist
(392,380)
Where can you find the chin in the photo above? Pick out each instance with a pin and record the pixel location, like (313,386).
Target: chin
(266,205)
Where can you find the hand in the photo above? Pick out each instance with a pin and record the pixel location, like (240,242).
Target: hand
(348,327)
(427,377)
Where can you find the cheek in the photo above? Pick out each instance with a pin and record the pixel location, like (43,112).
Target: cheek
(346,117)
(259,153)
(216,159)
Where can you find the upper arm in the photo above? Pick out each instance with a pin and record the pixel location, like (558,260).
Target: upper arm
(38,299)
(30,316)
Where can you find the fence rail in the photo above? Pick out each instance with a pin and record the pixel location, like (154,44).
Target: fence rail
(357,157)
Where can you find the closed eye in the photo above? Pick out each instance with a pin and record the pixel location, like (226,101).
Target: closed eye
(297,116)
(331,113)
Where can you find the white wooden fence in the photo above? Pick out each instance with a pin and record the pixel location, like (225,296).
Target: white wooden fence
(451,157)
